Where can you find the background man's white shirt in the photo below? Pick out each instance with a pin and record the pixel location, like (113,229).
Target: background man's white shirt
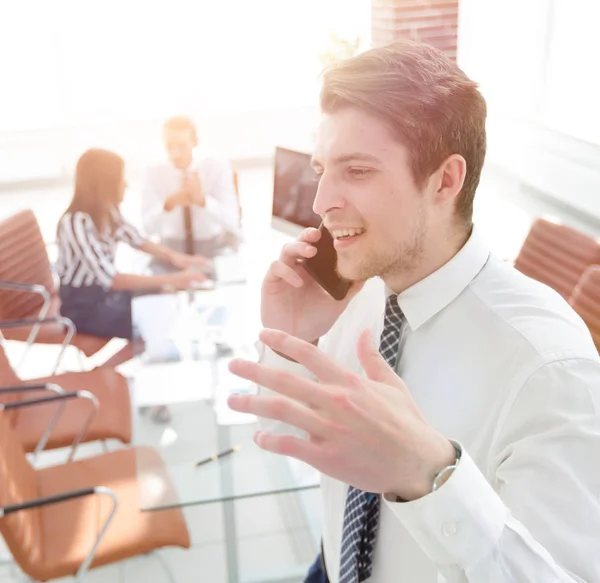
(220,215)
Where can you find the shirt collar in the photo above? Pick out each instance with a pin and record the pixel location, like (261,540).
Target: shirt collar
(429,296)
(193,166)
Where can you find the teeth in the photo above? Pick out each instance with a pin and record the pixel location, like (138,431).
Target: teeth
(337,233)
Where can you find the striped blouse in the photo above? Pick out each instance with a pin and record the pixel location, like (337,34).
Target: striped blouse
(86,256)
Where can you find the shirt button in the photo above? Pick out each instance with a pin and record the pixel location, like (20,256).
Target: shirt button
(449,529)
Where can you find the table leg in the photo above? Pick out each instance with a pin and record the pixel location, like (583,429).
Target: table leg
(231,551)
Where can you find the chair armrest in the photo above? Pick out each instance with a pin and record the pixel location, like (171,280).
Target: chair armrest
(61,398)
(31,387)
(24,322)
(34,288)
(36,324)
(38,401)
(68,396)
(46,500)
(64,497)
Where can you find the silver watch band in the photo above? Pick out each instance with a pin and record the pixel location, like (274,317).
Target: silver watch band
(438,479)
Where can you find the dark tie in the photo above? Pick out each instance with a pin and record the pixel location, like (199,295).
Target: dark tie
(361,515)
(188,229)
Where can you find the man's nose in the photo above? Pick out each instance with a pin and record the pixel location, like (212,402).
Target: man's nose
(329,195)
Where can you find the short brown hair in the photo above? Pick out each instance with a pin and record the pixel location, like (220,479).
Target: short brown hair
(429,102)
(179,123)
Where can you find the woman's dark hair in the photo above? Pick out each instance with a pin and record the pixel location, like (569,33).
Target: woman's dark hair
(98,186)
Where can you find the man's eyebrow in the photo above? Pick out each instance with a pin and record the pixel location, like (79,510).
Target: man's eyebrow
(351,157)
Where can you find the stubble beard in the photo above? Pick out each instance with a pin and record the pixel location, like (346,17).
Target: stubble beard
(400,259)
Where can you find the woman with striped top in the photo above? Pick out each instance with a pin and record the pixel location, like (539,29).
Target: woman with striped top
(93,293)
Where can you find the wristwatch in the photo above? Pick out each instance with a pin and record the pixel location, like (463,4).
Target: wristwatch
(441,477)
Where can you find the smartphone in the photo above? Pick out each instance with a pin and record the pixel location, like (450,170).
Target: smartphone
(322,267)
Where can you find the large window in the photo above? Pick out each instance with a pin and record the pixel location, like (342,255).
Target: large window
(572,84)
(30,76)
(537,64)
(105,73)
(536,61)
(72,62)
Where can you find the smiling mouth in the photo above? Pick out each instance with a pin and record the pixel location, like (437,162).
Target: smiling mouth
(346,233)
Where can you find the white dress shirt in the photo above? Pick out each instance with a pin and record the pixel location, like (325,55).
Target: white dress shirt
(503,365)
(219,216)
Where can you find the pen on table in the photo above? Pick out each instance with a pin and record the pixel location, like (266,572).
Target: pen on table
(218,456)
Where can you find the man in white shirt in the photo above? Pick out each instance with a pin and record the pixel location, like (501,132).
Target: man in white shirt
(189,203)
(474,456)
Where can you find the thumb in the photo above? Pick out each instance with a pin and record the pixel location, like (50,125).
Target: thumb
(374,365)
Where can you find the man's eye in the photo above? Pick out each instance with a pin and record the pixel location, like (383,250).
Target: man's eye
(359,172)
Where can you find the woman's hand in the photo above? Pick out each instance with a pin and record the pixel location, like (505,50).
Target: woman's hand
(185,261)
(186,279)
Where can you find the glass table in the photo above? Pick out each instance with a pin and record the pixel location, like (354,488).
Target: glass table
(198,478)
(176,478)
(195,389)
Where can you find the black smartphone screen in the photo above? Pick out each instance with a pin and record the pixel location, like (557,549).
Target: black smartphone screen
(323,267)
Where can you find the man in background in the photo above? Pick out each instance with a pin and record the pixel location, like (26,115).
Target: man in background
(189,202)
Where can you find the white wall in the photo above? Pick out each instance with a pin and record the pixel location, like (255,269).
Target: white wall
(536,62)
(107,73)
(239,136)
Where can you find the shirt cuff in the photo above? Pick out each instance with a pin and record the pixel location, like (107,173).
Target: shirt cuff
(461,522)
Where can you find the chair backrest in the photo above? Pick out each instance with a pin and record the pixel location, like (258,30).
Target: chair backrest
(23,259)
(557,255)
(586,301)
(18,483)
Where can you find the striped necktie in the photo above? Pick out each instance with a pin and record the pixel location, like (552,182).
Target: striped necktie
(361,515)
(188,227)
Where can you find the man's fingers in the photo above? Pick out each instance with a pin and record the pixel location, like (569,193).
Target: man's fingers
(302,247)
(288,445)
(310,235)
(288,266)
(296,251)
(307,354)
(373,363)
(280,409)
(282,381)
(279,270)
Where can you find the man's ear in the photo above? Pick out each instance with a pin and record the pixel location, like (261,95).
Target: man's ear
(451,177)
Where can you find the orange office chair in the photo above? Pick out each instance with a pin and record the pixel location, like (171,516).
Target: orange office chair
(586,301)
(64,520)
(557,255)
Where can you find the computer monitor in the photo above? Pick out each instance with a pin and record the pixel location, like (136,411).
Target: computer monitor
(294,190)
